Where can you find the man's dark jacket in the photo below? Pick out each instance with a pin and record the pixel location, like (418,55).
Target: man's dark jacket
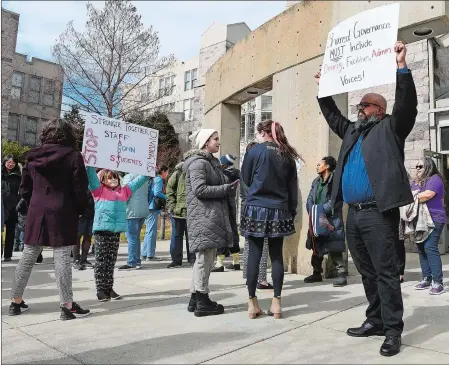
(382,146)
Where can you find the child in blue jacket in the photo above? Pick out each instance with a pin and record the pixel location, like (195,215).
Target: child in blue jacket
(109,221)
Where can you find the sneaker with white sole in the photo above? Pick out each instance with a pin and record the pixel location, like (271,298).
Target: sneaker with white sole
(127,268)
(16,309)
(423,285)
(154,258)
(436,289)
(113,295)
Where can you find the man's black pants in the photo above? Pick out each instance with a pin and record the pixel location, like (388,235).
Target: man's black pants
(372,238)
(180,231)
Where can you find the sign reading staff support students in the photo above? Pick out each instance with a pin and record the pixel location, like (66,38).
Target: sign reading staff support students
(360,52)
(116,145)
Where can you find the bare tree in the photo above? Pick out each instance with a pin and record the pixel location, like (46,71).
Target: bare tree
(106,63)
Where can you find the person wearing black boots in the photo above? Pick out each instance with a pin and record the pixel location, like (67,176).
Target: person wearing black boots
(334,243)
(209,224)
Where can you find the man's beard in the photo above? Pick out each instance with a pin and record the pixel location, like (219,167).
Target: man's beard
(363,124)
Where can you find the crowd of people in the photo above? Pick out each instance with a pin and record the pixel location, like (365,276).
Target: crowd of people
(67,203)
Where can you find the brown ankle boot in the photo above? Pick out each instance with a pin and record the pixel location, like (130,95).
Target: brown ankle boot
(253,308)
(275,309)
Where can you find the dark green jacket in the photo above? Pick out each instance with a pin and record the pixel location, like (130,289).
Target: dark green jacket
(176,193)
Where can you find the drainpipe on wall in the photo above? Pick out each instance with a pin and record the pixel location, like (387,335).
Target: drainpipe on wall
(432,126)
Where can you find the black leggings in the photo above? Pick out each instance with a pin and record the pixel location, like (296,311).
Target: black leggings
(277,263)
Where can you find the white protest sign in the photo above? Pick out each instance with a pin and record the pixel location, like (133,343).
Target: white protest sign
(360,52)
(116,145)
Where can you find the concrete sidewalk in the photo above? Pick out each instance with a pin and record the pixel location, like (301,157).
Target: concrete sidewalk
(151,324)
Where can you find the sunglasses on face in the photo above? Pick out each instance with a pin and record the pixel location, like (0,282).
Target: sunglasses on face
(365,104)
(419,167)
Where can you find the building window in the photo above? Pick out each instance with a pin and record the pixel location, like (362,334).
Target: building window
(166,86)
(17,85)
(190,79)
(251,106)
(187,81)
(31,131)
(265,116)
(35,90)
(194,77)
(188,103)
(49,93)
(251,126)
(266,103)
(444,138)
(13,127)
(243,128)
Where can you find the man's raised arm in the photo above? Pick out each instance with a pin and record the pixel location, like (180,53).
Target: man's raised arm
(337,122)
(406,102)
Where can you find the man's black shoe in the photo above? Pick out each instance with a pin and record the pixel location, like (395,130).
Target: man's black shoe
(218,269)
(314,278)
(365,330)
(391,346)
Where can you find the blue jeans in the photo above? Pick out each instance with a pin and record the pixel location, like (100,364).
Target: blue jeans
(18,238)
(429,256)
(149,242)
(134,226)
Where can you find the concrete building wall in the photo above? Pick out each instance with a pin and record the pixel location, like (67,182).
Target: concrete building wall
(10,26)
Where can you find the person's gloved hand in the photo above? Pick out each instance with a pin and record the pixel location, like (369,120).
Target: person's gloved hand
(22,207)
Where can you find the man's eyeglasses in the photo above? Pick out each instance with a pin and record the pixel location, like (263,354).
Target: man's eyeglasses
(419,167)
(365,104)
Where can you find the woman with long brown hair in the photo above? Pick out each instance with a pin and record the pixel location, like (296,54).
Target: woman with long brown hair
(269,171)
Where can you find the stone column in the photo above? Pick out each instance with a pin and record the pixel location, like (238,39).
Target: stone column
(295,106)
(225,118)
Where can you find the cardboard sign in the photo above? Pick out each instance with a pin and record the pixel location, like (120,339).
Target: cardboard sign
(360,52)
(116,145)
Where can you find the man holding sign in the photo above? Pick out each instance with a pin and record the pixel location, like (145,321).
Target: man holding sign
(371,178)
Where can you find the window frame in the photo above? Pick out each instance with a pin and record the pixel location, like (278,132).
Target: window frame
(193,79)
(187,81)
(251,132)
(442,124)
(190,101)
(35,91)
(36,121)
(243,127)
(16,139)
(266,109)
(15,87)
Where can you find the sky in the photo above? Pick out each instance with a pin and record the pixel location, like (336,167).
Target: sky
(179,23)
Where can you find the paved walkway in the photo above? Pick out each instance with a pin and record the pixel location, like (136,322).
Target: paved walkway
(151,323)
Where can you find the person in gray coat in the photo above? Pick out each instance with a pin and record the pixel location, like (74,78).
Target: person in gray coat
(208,216)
